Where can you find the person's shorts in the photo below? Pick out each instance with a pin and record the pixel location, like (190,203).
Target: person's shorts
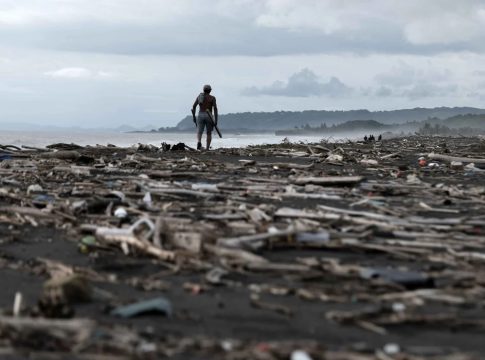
(204,121)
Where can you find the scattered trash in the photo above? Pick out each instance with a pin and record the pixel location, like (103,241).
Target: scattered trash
(392,349)
(471,168)
(17,304)
(266,233)
(42,201)
(121,213)
(87,243)
(300,355)
(413,179)
(147,198)
(159,305)
(457,165)
(313,238)
(409,279)
(32,189)
(369,162)
(335,157)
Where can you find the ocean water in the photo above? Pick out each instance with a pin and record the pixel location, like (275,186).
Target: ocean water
(44,138)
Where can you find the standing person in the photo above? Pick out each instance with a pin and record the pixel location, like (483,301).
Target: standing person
(206,103)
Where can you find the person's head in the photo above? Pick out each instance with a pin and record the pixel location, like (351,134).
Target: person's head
(207,89)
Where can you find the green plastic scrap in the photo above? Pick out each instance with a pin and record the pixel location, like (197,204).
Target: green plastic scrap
(88,240)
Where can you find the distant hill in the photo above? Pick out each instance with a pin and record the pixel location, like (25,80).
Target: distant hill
(346,127)
(460,121)
(18,126)
(284,120)
(129,128)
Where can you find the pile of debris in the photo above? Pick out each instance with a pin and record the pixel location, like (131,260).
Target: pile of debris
(366,250)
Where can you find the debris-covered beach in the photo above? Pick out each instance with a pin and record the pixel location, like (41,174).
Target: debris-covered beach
(347,250)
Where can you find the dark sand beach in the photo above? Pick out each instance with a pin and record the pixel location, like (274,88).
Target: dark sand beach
(345,250)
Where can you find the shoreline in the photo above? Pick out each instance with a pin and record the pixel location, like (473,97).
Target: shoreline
(42,139)
(332,248)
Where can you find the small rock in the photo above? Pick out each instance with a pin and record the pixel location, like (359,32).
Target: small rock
(457,165)
(190,241)
(70,289)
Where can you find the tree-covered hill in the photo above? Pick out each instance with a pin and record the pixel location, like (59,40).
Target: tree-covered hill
(281,120)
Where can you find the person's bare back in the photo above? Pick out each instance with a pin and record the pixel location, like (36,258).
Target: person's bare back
(206,102)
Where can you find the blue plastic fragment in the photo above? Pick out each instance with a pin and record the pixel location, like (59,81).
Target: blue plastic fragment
(409,279)
(313,238)
(159,305)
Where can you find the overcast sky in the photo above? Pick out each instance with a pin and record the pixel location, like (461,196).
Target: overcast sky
(110,62)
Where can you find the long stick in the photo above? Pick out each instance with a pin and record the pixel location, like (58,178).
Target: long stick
(193,117)
(434,156)
(214,123)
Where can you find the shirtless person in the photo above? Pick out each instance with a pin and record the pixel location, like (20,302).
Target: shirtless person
(206,103)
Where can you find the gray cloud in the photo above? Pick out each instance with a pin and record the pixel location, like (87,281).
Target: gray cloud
(420,91)
(417,91)
(476,94)
(244,27)
(415,82)
(480,73)
(302,84)
(78,73)
(404,75)
(383,91)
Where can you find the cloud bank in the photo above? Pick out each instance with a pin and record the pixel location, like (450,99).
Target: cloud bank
(78,73)
(304,83)
(230,27)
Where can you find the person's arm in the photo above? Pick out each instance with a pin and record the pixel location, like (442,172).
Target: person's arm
(194,107)
(216,115)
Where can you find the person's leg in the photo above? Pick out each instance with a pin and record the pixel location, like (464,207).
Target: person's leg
(200,131)
(209,132)
(209,139)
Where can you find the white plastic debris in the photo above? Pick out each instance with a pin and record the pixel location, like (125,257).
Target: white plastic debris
(205,187)
(398,307)
(118,194)
(413,179)
(146,347)
(121,213)
(300,355)
(35,188)
(17,304)
(472,168)
(369,162)
(456,165)
(227,345)
(392,349)
(273,230)
(147,199)
(335,157)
